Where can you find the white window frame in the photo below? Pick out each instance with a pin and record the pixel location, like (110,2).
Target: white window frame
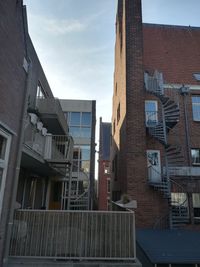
(197,149)
(196,115)
(156,112)
(154,173)
(4,165)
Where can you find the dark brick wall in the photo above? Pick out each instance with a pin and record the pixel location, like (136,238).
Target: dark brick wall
(12,91)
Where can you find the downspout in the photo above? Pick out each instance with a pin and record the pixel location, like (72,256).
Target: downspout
(185,91)
(184,94)
(20,143)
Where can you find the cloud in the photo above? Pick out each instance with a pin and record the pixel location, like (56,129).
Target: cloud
(61,27)
(57,26)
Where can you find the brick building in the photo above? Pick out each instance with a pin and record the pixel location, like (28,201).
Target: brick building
(155,120)
(104,166)
(13,57)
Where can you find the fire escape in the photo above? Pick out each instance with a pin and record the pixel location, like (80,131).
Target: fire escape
(168,118)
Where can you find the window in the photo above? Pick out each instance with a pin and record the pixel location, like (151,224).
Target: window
(118,113)
(5,141)
(75,118)
(196,108)
(197,76)
(195,156)
(86,119)
(108,185)
(151,112)
(196,204)
(85,152)
(2,147)
(106,169)
(85,132)
(179,199)
(79,124)
(40,91)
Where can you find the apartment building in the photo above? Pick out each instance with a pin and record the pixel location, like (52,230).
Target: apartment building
(104,183)
(155,124)
(81,118)
(47,146)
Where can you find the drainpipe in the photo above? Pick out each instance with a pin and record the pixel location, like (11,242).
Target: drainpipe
(20,143)
(184,92)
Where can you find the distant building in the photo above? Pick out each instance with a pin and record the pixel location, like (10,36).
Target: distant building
(104,185)
(81,118)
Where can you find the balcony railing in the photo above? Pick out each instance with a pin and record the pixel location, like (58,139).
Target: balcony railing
(53,148)
(79,235)
(58,148)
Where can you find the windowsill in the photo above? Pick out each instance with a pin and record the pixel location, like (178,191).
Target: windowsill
(195,164)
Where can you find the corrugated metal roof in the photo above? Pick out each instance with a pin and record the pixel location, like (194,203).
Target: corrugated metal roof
(170,246)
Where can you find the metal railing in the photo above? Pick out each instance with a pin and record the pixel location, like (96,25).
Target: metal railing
(58,148)
(91,235)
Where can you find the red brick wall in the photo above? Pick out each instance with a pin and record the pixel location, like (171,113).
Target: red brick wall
(103,195)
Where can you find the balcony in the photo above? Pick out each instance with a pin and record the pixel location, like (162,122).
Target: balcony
(57,236)
(41,147)
(52,115)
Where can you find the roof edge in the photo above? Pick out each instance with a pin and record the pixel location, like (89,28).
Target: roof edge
(171,26)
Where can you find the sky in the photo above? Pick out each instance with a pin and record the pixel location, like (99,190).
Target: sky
(75,39)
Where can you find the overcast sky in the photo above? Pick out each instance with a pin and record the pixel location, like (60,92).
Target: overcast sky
(75,39)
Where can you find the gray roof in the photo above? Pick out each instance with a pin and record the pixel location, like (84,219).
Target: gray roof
(170,246)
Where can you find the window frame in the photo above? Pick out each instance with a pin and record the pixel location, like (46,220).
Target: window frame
(4,165)
(193,110)
(154,122)
(195,163)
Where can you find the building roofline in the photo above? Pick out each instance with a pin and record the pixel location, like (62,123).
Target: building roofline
(171,26)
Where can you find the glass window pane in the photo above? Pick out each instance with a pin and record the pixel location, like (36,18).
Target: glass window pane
(86,118)
(151,113)
(75,131)
(196,108)
(75,118)
(86,132)
(75,165)
(179,199)
(195,156)
(85,153)
(196,200)
(2,146)
(85,166)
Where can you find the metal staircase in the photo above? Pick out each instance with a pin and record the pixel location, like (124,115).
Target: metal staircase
(170,116)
